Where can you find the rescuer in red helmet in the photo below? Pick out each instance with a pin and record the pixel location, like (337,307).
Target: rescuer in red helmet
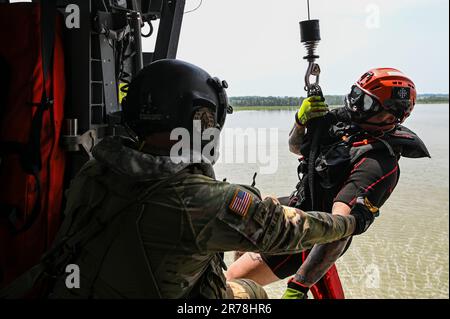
(381,99)
(360,148)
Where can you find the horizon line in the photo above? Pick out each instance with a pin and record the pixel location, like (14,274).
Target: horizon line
(291,96)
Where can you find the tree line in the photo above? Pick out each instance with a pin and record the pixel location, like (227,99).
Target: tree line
(248,101)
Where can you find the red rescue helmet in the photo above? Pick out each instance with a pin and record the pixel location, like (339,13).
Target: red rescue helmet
(379,90)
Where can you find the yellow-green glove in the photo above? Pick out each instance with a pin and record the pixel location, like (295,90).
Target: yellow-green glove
(312,107)
(295,291)
(294,294)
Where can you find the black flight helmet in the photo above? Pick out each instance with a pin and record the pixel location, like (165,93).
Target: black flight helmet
(166,94)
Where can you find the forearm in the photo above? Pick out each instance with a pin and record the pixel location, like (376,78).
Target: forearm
(296,138)
(299,231)
(319,261)
(272,228)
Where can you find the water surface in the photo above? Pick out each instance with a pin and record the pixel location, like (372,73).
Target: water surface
(406,252)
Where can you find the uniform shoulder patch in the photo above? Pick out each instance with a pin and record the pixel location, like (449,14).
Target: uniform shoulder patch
(241,202)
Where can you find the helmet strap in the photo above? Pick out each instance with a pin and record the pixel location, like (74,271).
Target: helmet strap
(379,124)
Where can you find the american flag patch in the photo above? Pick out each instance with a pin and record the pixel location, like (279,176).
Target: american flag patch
(241,203)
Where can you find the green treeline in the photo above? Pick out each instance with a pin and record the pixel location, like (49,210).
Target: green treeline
(433,99)
(288,101)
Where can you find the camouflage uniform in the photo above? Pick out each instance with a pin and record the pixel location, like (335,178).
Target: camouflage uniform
(135,235)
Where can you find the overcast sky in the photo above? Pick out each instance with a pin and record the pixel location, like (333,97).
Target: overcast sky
(255,46)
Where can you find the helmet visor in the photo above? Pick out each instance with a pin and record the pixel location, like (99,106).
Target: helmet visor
(362,102)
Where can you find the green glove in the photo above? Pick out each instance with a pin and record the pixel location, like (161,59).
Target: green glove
(294,294)
(295,291)
(312,107)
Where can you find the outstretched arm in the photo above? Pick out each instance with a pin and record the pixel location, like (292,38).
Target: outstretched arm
(272,228)
(236,218)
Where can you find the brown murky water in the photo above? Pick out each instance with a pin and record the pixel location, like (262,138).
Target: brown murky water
(406,253)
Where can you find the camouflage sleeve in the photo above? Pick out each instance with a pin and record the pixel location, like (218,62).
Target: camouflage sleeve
(243,221)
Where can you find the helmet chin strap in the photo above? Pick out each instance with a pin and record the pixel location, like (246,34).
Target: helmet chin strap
(379,124)
(382,127)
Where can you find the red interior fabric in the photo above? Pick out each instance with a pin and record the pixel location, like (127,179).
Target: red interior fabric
(21,49)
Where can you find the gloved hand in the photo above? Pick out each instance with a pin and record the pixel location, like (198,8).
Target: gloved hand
(295,290)
(312,107)
(364,213)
